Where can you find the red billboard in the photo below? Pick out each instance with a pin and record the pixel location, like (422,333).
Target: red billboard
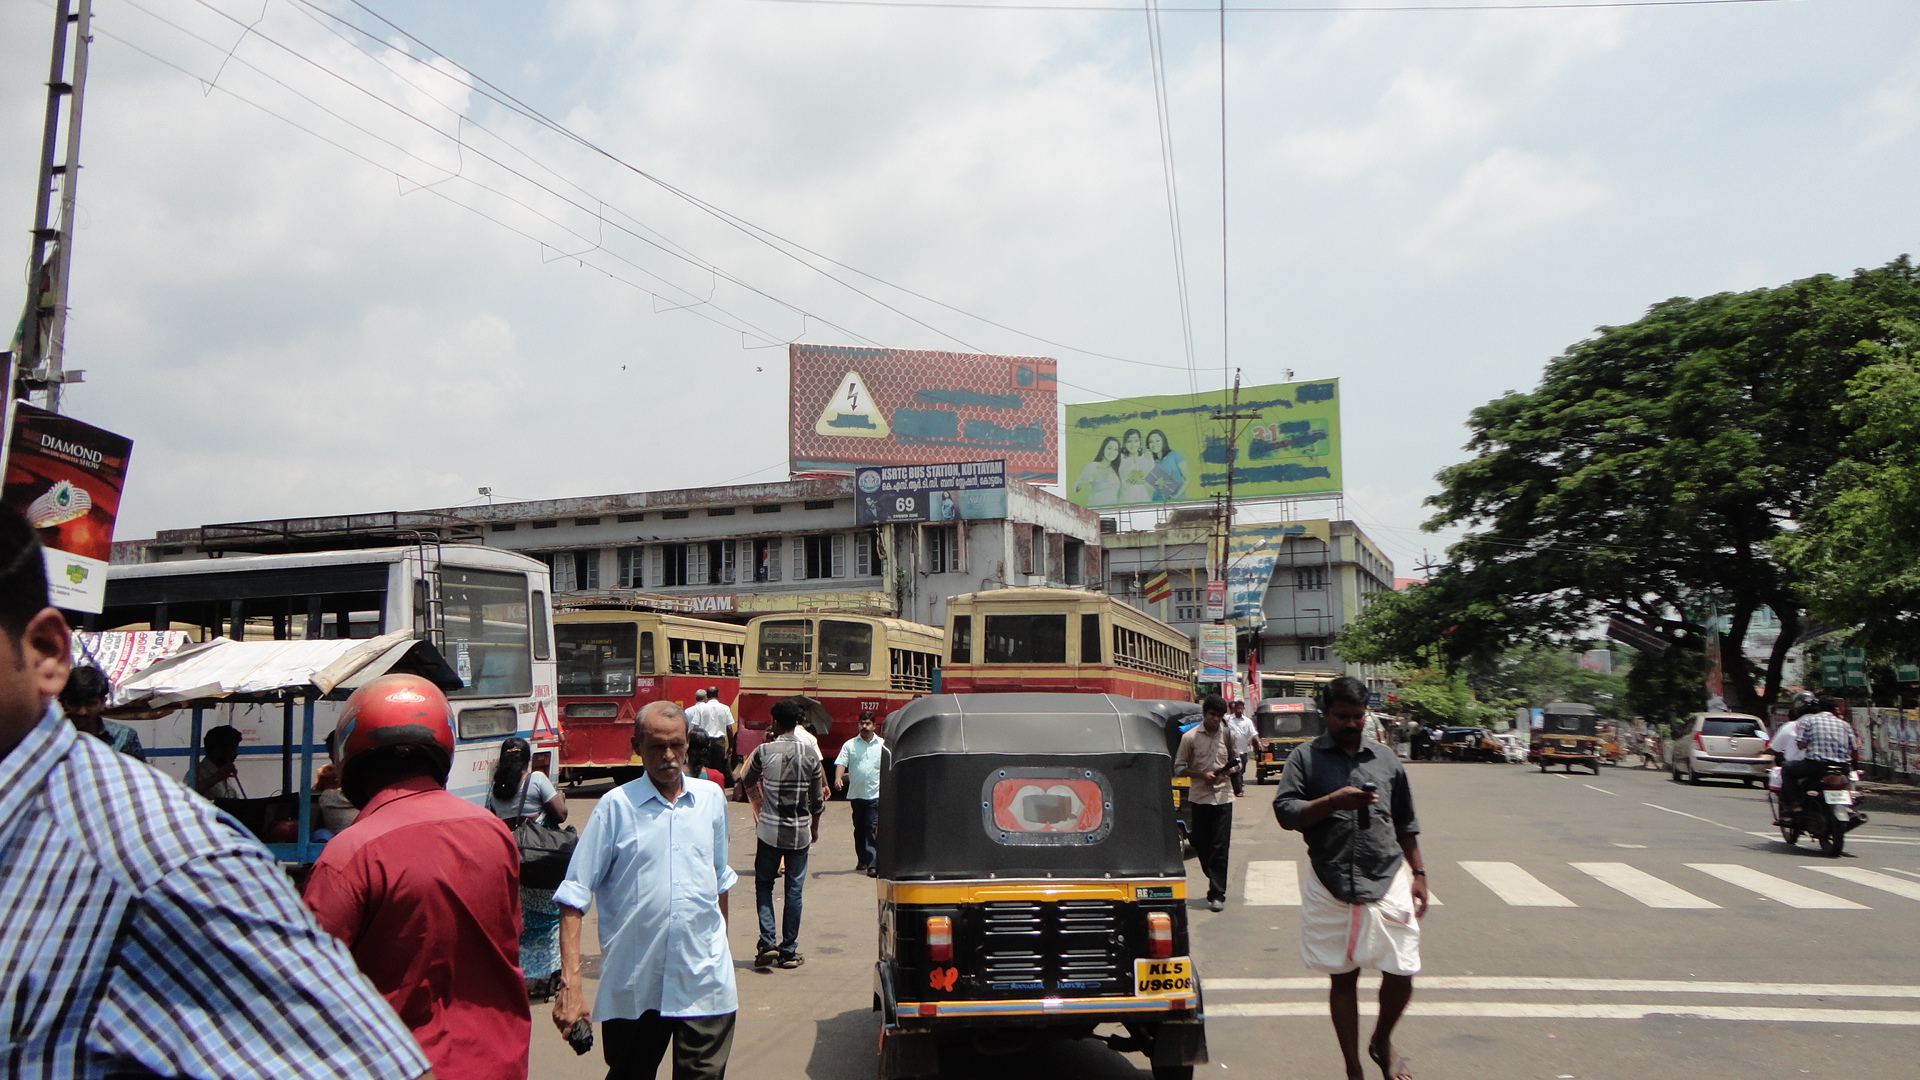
(65,477)
(849,407)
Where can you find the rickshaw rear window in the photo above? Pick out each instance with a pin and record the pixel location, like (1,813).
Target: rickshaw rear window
(1046,807)
(1564,722)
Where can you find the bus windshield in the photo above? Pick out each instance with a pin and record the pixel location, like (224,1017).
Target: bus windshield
(1026,639)
(597,658)
(846,648)
(786,646)
(487,631)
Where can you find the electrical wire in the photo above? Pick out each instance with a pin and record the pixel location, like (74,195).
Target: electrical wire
(1325,10)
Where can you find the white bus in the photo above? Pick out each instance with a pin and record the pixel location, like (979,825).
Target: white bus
(486,610)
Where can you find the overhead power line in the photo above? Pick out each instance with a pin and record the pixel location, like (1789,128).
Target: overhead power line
(1323,10)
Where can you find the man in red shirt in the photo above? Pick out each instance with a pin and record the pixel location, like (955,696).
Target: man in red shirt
(424,887)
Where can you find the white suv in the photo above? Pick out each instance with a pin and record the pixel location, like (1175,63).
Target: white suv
(1731,745)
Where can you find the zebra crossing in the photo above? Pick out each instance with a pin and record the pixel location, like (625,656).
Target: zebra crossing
(1276,883)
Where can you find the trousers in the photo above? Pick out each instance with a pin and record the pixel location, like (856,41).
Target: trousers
(1212,839)
(866,823)
(767,861)
(633,1048)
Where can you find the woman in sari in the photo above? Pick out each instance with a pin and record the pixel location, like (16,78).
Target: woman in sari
(518,793)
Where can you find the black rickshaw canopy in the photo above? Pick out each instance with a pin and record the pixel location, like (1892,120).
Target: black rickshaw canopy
(976,786)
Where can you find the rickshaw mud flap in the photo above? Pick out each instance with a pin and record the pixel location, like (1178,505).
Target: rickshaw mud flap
(907,1054)
(1179,1042)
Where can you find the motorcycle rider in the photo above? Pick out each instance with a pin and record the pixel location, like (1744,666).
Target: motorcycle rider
(1823,741)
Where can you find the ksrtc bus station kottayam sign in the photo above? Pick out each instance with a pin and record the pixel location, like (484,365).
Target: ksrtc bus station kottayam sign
(1170,449)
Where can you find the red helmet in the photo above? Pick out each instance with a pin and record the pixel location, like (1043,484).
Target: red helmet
(394,710)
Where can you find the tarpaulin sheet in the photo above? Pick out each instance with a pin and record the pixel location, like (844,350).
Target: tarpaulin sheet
(223,668)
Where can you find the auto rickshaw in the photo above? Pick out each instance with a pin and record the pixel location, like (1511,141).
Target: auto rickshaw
(1279,726)
(1176,717)
(1568,735)
(1057,906)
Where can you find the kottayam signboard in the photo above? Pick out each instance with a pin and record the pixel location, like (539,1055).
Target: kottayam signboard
(849,408)
(1155,450)
(973,490)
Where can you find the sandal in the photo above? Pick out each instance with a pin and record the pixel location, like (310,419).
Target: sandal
(1400,1067)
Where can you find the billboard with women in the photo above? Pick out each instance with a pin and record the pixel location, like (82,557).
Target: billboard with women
(1170,449)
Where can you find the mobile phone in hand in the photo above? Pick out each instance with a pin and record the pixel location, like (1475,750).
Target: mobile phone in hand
(580,1035)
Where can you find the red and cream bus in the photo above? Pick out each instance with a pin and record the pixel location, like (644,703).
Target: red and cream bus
(1062,641)
(855,665)
(613,662)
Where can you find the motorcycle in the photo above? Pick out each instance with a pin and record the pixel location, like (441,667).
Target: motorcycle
(1825,810)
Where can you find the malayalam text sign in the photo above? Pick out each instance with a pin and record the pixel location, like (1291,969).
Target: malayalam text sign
(1169,449)
(851,407)
(65,478)
(973,490)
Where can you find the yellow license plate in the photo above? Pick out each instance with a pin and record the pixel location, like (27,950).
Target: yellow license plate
(1163,978)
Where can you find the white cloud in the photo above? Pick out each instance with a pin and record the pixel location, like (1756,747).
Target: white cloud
(1892,111)
(1508,196)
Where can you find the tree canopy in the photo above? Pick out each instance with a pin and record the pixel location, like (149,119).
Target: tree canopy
(1649,477)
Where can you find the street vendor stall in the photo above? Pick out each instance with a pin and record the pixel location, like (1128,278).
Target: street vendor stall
(223,676)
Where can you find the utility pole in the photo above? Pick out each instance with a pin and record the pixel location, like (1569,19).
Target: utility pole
(1224,518)
(37,364)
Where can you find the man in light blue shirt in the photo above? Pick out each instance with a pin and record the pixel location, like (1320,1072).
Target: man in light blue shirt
(857,772)
(654,856)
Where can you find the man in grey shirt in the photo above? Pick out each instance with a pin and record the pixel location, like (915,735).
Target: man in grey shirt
(1362,905)
(791,798)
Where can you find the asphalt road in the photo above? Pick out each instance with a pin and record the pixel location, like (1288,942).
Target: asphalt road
(1600,927)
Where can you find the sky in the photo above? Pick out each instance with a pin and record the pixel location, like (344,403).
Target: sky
(322,269)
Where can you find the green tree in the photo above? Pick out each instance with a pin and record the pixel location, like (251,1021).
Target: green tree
(1649,475)
(1857,552)
(1533,675)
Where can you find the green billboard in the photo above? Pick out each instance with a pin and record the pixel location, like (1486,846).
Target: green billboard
(1171,449)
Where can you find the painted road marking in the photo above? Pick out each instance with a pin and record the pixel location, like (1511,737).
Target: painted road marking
(1684,814)
(1590,986)
(1272,884)
(1533,1010)
(1642,886)
(1860,875)
(1514,885)
(1773,888)
(1601,790)
(1851,839)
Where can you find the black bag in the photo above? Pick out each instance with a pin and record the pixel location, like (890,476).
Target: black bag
(544,852)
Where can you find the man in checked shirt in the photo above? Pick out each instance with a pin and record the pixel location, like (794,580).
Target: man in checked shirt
(792,792)
(146,932)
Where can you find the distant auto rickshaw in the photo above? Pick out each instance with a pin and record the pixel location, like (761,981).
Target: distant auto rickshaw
(1568,735)
(1280,725)
(1057,906)
(1464,742)
(1176,717)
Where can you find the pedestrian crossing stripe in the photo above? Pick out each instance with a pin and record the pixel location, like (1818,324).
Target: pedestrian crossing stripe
(852,411)
(1276,883)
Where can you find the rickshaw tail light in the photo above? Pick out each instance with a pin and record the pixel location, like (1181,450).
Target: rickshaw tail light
(939,937)
(1159,935)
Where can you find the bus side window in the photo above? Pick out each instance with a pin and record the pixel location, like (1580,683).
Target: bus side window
(677,656)
(646,653)
(1090,638)
(542,618)
(963,639)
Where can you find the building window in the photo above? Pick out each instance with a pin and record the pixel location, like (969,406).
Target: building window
(1070,555)
(586,521)
(502,526)
(864,562)
(719,562)
(766,558)
(1313,650)
(1310,578)
(574,570)
(670,564)
(546,524)
(633,572)
(943,549)
(674,515)
(767,508)
(819,504)
(1185,596)
(623,518)
(1186,613)
(823,556)
(720,511)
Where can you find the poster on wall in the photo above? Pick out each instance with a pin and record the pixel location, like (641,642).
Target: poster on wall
(1252,551)
(1154,450)
(1216,653)
(970,490)
(850,407)
(65,478)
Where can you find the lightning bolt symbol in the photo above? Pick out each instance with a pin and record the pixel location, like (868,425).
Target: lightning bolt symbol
(853,396)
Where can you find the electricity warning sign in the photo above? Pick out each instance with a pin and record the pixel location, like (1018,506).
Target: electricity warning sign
(852,407)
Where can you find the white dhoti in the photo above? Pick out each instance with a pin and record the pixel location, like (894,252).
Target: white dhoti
(1337,937)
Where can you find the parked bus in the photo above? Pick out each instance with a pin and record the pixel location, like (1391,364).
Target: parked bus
(855,665)
(1064,641)
(613,662)
(484,609)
